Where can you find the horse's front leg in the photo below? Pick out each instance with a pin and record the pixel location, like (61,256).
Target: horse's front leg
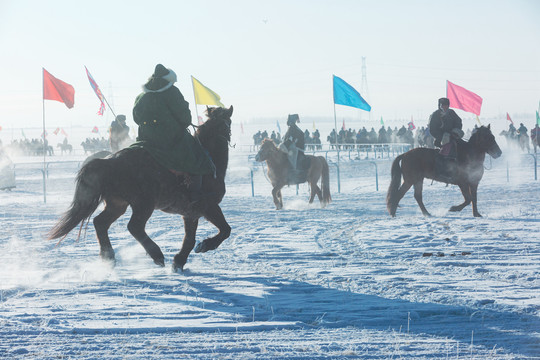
(466,191)
(190,229)
(214,214)
(276,195)
(474,200)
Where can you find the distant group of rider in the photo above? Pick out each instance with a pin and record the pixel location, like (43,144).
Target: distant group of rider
(445,127)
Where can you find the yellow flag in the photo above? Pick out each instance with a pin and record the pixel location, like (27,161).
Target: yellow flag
(203,95)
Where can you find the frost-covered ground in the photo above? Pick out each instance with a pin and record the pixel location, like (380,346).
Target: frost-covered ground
(344,282)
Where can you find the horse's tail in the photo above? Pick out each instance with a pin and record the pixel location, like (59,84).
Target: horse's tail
(88,195)
(392,198)
(325,182)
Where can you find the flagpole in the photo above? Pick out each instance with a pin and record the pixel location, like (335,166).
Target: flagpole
(194,100)
(110,108)
(335,131)
(44,149)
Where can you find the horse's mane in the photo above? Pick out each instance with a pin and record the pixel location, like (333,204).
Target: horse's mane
(215,116)
(268,142)
(218,126)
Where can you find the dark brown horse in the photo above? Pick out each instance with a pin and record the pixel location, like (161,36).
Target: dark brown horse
(279,169)
(131,177)
(419,163)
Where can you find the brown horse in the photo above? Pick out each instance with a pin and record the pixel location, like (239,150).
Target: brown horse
(279,172)
(131,177)
(419,163)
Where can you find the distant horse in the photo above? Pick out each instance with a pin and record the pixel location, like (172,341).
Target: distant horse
(536,142)
(279,173)
(131,177)
(67,148)
(419,163)
(523,141)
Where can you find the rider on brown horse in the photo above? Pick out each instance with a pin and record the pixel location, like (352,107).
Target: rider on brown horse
(446,126)
(293,145)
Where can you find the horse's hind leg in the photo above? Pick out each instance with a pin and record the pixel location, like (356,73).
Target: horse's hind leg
(214,214)
(136,226)
(418,186)
(190,230)
(315,190)
(113,210)
(465,190)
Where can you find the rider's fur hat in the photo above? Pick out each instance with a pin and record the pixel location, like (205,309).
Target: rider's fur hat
(161,79)
(292,119)
(444,101)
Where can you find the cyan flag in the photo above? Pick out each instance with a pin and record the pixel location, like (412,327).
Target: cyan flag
(345,94)
(278,127)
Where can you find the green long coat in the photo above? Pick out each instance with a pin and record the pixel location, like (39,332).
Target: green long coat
(163,118)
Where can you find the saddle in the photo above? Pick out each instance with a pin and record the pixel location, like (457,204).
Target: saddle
(298,175)
(445,168)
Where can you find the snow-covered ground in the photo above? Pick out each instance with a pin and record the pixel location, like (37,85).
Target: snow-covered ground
(343,282)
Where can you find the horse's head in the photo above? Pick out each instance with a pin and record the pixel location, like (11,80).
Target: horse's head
(485,141)
(267,148)
(217,125)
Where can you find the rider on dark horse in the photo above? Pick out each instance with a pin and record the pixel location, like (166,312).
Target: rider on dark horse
(446,127)
(293,145)
(163,117)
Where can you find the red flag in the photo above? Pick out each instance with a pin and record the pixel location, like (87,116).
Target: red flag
(343,126)
(508,118)
(95,130)
(56,131)
(200,120)
(54,89)
(63,132)
(461,98)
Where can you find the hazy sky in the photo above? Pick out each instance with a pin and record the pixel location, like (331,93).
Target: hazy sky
(271,58)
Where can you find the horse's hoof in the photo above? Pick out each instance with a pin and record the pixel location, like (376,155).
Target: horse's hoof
(477,215)
(178,264)
(160,262)
(203,247)
(454,209)
(108,256)
(176,269)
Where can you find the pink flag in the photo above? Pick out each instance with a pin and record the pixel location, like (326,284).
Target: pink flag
(461,98)
(508,118)
(95,130)
(63,132)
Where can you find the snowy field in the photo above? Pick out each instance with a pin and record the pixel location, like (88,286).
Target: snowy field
(345,282)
